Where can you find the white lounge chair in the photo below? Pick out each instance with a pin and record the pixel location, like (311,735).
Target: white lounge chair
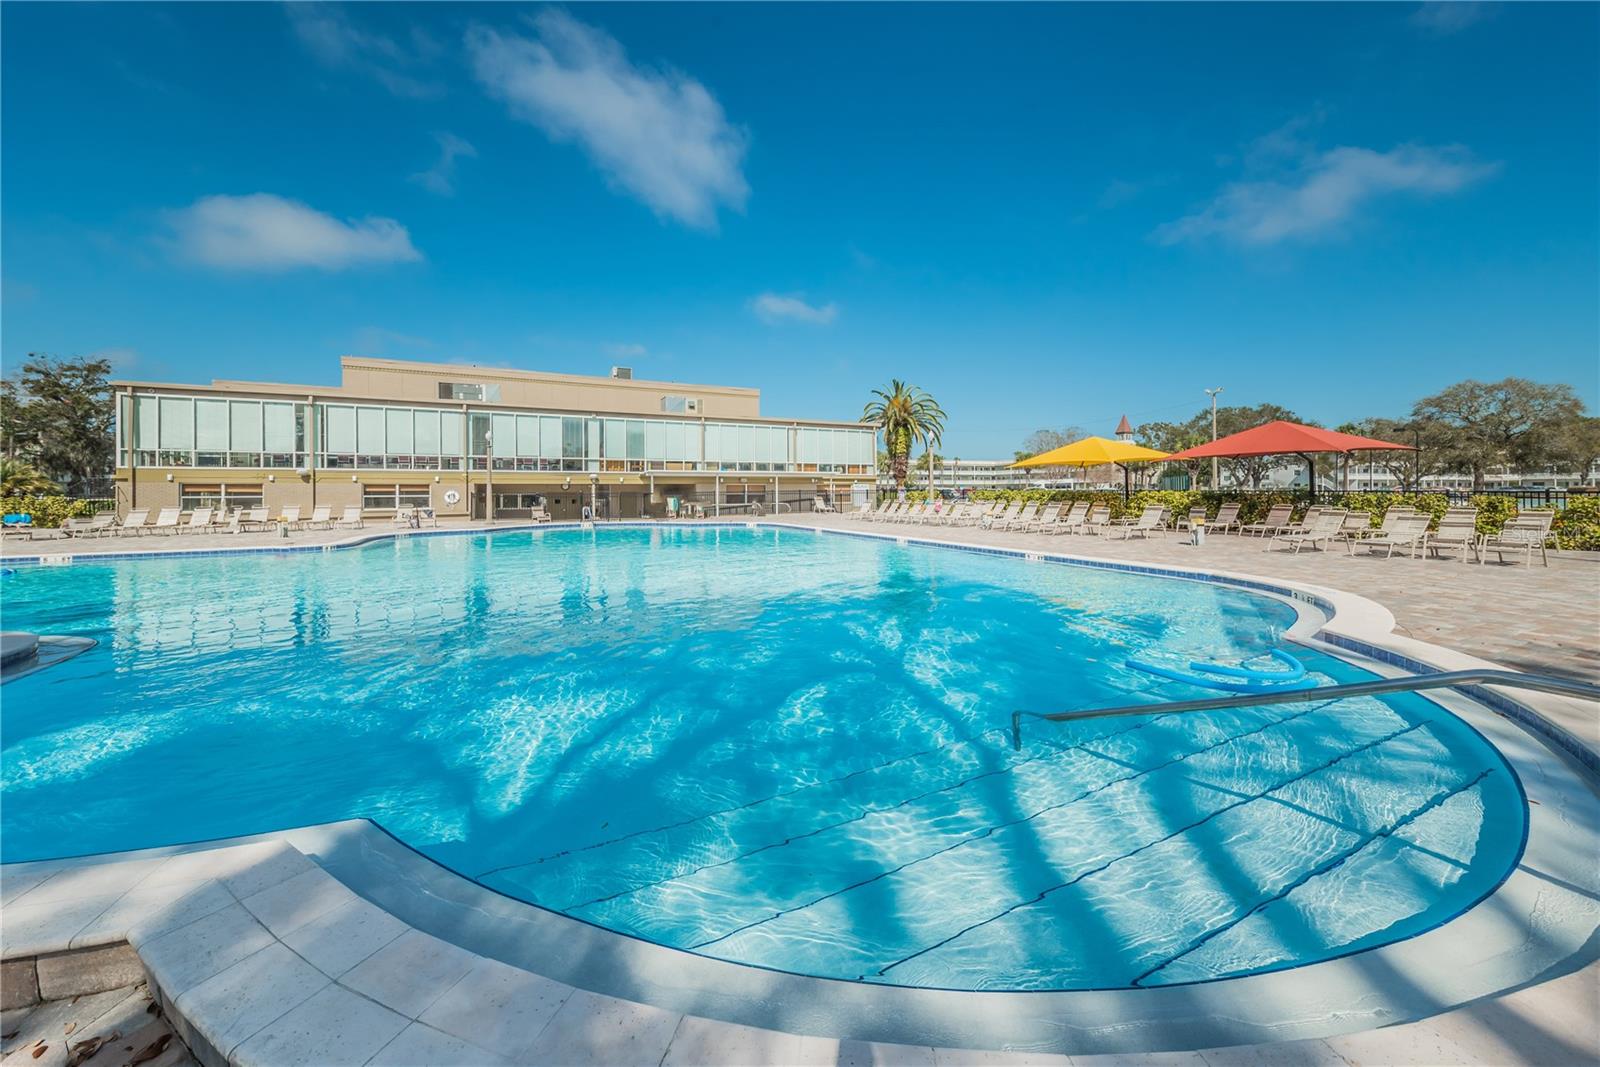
(1000,518)
(1047,517)
(351,518)
(256,519)
(291,517)
(1153,519)
(404,516)
(1528,531)
(1277,518)
(1227,519)
(1068,522)
(167,521)
(133,523)
(1098,522)
(199,521)
(1408,531)
(1458,530)
(1322,529)
(321,518)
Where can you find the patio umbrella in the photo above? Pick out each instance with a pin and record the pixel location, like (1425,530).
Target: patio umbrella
(1095,452)
(1282,438)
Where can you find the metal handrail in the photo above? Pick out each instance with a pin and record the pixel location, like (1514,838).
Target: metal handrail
(1542,683)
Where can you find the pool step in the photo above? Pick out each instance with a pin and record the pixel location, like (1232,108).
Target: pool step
(258,955)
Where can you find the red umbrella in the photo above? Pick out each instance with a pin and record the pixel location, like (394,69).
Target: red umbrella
(1287,438)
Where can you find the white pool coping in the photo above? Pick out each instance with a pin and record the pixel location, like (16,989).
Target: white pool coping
(1541,923)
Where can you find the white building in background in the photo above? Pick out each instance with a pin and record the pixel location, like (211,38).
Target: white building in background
(971,475)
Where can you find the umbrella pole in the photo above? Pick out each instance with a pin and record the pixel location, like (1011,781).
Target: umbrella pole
(1311,477)
(1127,476)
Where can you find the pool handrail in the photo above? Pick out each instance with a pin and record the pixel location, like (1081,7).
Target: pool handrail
(1542,683)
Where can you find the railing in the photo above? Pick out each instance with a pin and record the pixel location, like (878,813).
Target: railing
(1410,683)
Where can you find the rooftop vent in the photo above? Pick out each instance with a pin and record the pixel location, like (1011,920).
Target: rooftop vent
(622,372)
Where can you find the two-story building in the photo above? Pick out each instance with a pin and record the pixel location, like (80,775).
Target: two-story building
(453,437)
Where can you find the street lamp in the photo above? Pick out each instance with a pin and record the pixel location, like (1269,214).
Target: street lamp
(1213,394)
(594,497)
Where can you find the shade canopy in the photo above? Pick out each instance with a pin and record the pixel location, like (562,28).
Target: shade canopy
(1092,452)
(1281,438)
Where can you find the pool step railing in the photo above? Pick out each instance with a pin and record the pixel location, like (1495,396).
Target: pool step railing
(1541,683)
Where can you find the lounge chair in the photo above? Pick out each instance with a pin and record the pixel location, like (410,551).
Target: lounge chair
(1527,531)
(1323,529)
(537,514)
(404,516)
(1386,525)
(980,512)
(1407,531)
(17,522)
(1021,518)
(167,521)
(1099,520)
(1046,517)
(133,522)
(1305,522)
(351,518)
(321,518)
(819,504)
(291,517)
(1356,525)
(999,518)
(256,519)
(1277,518)
(1153,519)
(1195,515)
(1458,529)
(199,521)
(77,527)
(1227,519)
(885,512)
(1065,523)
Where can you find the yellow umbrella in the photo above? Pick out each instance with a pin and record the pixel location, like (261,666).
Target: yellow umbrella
(1092,452)
(1095,452)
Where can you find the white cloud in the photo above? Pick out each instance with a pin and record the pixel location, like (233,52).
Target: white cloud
(340,44)
(1449,17)
(270,233)
(626,351)
(1324,192)
(657,134)
(777,307)
(441,177)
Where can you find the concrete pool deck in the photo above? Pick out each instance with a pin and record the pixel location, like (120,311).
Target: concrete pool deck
(567,990)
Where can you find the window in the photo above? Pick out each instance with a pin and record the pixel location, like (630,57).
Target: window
(489,394)
(390,497)
(680,405)
(221,497)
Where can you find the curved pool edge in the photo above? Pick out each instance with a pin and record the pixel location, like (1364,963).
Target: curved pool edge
(1541,922)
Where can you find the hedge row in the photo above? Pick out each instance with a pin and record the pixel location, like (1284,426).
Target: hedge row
(46,510)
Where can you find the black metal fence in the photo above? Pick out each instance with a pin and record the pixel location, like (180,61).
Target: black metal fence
(1525,497)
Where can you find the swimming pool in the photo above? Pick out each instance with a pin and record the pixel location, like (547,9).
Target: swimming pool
(772,747)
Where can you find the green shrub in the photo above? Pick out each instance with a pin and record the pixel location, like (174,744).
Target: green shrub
(46,510)
(1494,511)
(1577,526)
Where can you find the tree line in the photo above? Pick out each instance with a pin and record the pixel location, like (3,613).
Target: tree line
(1470,428)
(56,425)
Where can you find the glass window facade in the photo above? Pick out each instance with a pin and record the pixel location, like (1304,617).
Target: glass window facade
(178,431)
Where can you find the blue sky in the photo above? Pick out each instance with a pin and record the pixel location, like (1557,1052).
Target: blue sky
(1044,215)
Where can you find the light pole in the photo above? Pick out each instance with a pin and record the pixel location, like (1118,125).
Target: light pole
(1213,394)
(594,497)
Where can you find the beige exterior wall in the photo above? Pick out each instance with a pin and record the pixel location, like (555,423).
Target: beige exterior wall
(419,383)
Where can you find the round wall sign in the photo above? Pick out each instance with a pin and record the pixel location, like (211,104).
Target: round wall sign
(452,497)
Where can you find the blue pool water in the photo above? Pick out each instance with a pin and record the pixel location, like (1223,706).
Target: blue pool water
(778,748)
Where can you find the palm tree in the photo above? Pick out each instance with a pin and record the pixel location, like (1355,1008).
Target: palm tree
(24,479)
(903,414)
